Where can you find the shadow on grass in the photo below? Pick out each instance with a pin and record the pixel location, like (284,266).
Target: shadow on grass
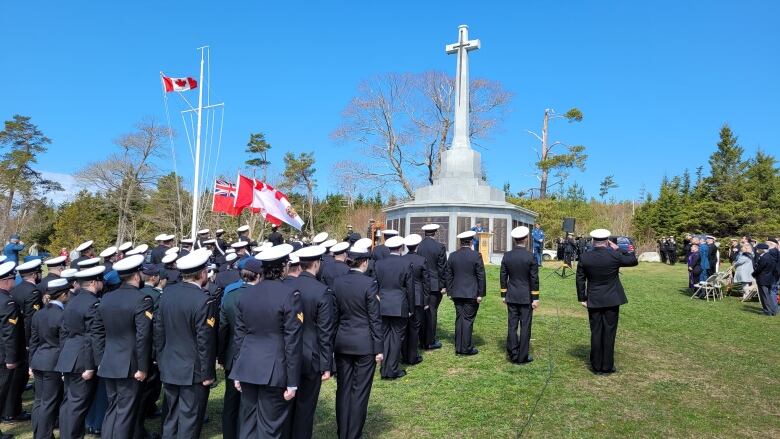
(448,333)
(582,352)
(377,420)
(752,309)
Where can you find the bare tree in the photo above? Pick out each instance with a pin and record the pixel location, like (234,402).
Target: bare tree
(125,174)
(404,122)
(558,163)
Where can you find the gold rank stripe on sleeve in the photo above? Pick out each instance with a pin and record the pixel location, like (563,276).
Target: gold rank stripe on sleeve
(12,321)
(36,307)
(534,293)
(211,321)
(148,314)
(503,290)
(300,316)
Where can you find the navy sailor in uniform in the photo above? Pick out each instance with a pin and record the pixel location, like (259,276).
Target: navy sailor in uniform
(44,353)
(396,294)
(600,291)
(338,265)
(86,250)
(77,359)
(519,280)
(465,274)
(185,341)
(435,254)
(318,332)
(267,364)
(122,332)
(358,345)
(12,348)
(421,286)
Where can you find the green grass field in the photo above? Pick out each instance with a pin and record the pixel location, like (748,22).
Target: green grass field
(686,368)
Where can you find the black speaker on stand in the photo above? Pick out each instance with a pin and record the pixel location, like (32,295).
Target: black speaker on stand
(568,224)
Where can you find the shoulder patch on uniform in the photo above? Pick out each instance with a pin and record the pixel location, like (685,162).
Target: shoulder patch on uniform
(148,314)
(211,321)
(36,306)
(300,316)
(12,321)
(147,297)
(11,302)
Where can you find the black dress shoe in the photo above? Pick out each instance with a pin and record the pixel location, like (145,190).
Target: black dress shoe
(473,351)
(6,436)
(21,417)
(436,345)
(417,361)
(607,372)
(401,374)
(527,360)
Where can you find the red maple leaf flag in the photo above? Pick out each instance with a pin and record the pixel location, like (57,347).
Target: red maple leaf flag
(179,84)
(224,198)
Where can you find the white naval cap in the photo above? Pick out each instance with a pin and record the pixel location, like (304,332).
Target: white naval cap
(412,240)
(55,262)
(600,234)
(7,269)
(84,245)
(230,257)
(339,248)
(70,273)
(310,253)
(363,243)
(57,285)
(203,231)
(86,263)
(520,232)
(275,253)
(29,266)
(128,265)
(193,262)
(389,232)
(172,250)
(430,227)
(466,235)
(90,273)
(169,257)
(356,253)
(294,260)
(219,231)
(394,242)
(239,244)
(319,238)
(125,246)
(230,250)
(329,243)
(211,241)
(244,228)
(189,241)
(142,248)
(108,252)
(164,237)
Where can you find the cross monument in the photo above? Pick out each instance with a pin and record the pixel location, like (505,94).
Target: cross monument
(462,48)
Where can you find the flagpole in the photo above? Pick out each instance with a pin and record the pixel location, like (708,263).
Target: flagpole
(196,183)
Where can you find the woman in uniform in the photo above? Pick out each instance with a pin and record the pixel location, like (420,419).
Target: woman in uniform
(266,368)
(44,353)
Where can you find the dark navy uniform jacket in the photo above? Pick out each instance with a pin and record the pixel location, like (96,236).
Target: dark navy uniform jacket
(185,337)
(122,332)
(421,279)
(435,253)
(28,297)
(77,353)
(465,274)
(45,338)
(12,347)
(597,277)
(763,269)
(227,277)
(333,270)
(269,322)
(396,293)
(359,323)
(327,259)
(226,346)
(42,285)
(380,252)
(519,277)
(158,253)
(318,325)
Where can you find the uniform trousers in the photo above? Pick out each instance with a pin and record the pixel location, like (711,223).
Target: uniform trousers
(672,258)
(48,395)
(123,418)
(6,376)
(151,392)
(517,346)
(231,404)
(77,398)
(13,401)
(301,420)
(264,412)
(98,406)
(353,389)
(431,318)
(768,300)
(393,334)
(603,330)
(465,313)
(186,409)
(414,328)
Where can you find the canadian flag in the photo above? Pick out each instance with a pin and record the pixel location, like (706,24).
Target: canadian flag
(269,202)
(179,84)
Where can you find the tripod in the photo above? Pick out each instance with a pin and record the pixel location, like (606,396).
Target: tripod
(561,272)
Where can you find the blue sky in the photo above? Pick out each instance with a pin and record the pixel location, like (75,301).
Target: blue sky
(655,80)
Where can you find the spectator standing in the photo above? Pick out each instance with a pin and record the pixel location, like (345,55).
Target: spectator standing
(704,258)
(13,247)
(478,229)
(743,268)
(764,273)
(694,265)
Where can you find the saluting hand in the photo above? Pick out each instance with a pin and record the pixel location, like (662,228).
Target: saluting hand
(289,394)
(326,375)
(87,375)
(139,375)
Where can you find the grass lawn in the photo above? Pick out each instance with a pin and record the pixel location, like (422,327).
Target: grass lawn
(686,368)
